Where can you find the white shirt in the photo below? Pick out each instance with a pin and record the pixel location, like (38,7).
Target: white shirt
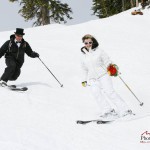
(18,43)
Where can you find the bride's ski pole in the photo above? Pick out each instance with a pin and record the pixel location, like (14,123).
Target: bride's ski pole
(141,103)
(61,85)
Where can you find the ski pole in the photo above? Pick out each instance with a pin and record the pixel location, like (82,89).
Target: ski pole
(61,85)
(141,103)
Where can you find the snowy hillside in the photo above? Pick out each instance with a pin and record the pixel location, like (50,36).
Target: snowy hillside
(44,117)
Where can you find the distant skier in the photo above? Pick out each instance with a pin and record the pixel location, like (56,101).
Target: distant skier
(14,51)
(144,3)
(95,66)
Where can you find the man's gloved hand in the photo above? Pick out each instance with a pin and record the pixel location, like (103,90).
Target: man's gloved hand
(84,84)
(34,55)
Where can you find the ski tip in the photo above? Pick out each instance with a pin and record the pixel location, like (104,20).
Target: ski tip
(18,89)
(78,121)
(83,122)
(62,85)
(104,122)
(24,88)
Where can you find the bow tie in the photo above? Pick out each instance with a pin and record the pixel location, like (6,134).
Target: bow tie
(17,42)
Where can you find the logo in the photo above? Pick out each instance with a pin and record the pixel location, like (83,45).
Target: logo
(145,137)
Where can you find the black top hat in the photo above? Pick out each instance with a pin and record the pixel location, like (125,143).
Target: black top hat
(19,31)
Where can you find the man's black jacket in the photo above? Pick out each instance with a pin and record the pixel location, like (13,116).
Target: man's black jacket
(11,50)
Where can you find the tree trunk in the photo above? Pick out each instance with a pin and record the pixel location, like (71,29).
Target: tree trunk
(105,9)
(123,5)
(132,3)
(45,14)
(137,3)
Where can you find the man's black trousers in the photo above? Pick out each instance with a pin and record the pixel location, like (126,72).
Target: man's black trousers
(12,71)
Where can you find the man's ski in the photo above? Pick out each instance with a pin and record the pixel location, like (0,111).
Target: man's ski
(98,121)
(15,88)
(12,86)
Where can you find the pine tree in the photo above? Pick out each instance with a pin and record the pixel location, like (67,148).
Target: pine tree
(106,8)
(44,11)
(99,8)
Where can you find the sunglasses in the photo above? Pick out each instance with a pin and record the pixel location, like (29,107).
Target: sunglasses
(86,43)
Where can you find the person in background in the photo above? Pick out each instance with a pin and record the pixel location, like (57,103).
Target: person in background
(14,51)
(96,71)
(144,3)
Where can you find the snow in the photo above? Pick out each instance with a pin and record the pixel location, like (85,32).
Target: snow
(44,117)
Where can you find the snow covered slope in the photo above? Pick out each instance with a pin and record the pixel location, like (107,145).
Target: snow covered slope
(44,117)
